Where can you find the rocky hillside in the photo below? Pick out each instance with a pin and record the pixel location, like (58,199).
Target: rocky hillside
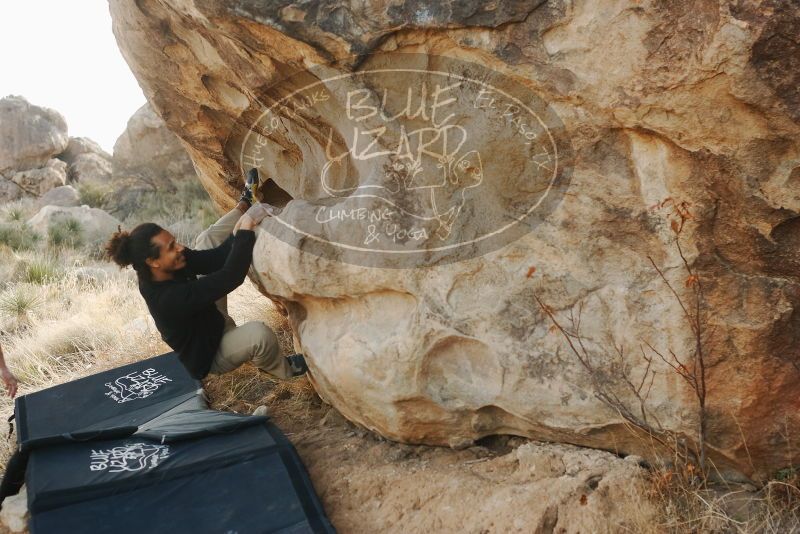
(538,218)
(38,157)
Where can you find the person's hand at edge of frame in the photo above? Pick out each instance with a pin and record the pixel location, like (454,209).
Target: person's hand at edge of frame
(9,380)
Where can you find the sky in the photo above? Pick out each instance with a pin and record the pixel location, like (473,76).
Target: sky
(63,55)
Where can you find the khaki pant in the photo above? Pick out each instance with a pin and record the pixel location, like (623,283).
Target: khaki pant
(253,341)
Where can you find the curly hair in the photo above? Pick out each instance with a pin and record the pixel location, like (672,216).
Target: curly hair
(134,247)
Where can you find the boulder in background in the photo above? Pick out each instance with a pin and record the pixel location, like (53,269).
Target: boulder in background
(29,135)
(96,224)
(64,196)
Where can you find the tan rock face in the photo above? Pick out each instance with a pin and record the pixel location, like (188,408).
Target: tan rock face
(692,108)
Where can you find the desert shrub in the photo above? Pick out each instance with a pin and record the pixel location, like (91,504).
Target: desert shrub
(18,302)
(18,236)
(18,211)
(685,506)
(67,233)
(93,195)
(188,201)
(41,270)
(14,214)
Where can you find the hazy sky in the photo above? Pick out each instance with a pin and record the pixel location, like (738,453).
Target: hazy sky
(63,55)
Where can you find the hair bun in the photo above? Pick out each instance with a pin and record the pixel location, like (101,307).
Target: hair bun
(118,248)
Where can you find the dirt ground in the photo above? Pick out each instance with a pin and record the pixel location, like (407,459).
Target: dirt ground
(505,484)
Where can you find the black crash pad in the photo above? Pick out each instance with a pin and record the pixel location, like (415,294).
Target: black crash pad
(109,404)
(250,480)
(136,449)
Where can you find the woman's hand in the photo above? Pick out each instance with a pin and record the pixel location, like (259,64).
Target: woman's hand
(9,380)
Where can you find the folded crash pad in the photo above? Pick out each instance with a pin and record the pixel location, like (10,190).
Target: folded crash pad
(136,449)
(250,480)
(108,404)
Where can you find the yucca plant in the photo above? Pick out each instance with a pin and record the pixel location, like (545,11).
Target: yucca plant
(66,233)
(19,302)
(18,236)
(14,214)
(41,271)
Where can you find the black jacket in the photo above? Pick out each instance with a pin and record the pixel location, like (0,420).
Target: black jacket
(183,308)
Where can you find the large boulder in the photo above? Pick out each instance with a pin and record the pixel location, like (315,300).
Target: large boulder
(82,145)
(37,182)
(90,168)
(96,225)
(643,127)
(148,152)
(29,135)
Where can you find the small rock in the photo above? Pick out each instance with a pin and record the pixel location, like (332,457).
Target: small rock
(14,514)
(459,442)
(261,411)
(92,275)
(141,325)
(65,196)
(636,460)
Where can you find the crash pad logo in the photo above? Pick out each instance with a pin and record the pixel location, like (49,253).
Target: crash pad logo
(133,457)
(136,385)
(409,160)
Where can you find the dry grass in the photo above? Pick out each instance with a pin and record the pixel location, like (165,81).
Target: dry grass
(63,328)
(246,388)
(686,506)
(79,327)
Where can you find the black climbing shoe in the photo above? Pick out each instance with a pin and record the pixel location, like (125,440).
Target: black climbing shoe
(250,191)
(297,363)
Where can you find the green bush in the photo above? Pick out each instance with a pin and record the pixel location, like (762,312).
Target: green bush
(18,236)
(66,233)
(41,271)
(93,196)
